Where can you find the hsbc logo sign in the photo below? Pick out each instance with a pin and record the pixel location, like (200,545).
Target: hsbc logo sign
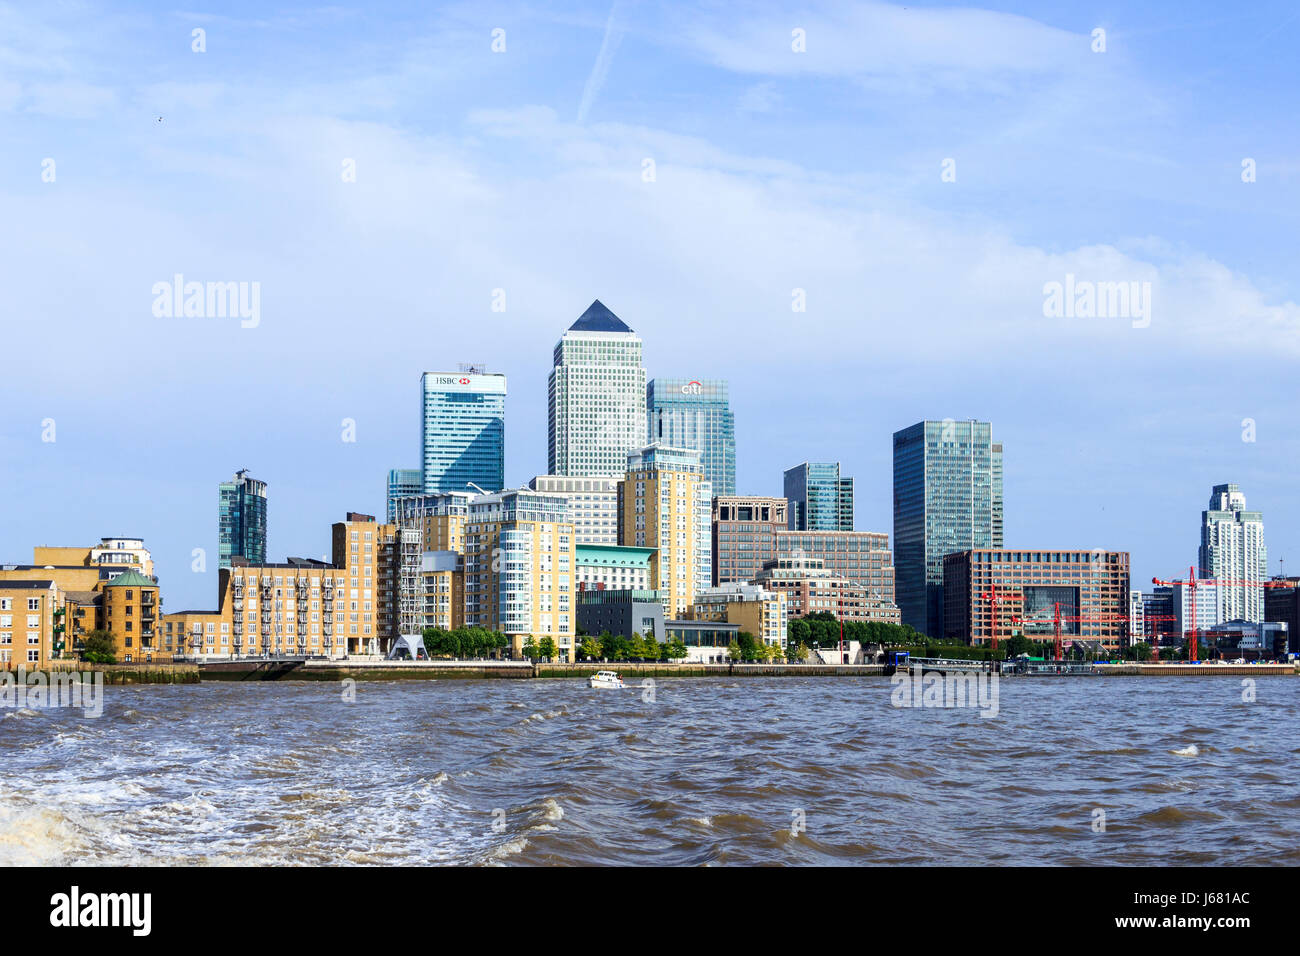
(452,380)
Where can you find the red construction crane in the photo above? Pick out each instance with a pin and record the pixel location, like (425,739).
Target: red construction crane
(1057,618)
(1192,584)
(994,597)
(1155,634)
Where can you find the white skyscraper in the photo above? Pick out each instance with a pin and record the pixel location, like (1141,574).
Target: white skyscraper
(1233,553)
(597,393)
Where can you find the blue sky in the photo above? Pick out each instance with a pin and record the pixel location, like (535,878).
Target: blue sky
(522,170)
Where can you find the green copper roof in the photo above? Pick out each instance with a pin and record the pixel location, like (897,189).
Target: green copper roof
(612,555)
(130,579)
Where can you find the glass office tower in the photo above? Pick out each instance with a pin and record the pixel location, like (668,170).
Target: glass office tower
(241,519)
(947,498)
(596,397)
(463,430)
(694,413)
(820,500)
(402,483)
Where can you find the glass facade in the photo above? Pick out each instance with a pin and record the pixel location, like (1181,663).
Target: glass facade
(402,483)
(947,498)
(596,396)
(820,500)
(692,413)
(463,434)
(241,520)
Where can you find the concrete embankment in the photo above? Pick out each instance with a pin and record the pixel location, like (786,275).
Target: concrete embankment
(517,670)
(1195,670)
(127,673)
(368,670)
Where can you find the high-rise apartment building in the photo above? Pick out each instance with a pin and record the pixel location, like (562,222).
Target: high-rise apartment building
(402,483)
(1137,627)
(820,500)
(241,519)
(744,535)
(401,582)
(665,503)
(519,567)
(1232,553)
(947,498)
(593,505)
(695,413)
(999,593)
(596,396)
(463,430)
(1196,607)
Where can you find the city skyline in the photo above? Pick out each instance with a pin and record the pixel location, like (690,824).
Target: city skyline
(200,598)
(780,181)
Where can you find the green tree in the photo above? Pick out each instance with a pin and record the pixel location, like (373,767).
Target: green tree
(637,646)
(546,649)
(617,647)
(675,650)
(653,649)
(798,632)
(591,647)
(97,648)
(531,649)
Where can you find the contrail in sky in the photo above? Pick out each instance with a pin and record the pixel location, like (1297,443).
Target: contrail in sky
(600,70)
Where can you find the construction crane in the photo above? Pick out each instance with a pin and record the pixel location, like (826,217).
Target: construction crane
(994,597)
(1058,618)
(1154,643)
(1193,642)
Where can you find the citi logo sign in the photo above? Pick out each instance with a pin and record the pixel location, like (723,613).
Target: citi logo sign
(692,388)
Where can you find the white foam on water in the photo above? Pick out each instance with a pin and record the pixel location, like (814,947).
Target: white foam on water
(1188,751)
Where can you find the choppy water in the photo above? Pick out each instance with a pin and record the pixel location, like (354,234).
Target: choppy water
(711,772)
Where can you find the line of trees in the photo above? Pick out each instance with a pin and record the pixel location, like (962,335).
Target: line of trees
(616,647)
(822,629)
(464,642)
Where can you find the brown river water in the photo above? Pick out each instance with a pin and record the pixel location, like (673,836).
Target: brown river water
(711,771)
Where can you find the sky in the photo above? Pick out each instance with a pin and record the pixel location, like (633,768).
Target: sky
(915,177)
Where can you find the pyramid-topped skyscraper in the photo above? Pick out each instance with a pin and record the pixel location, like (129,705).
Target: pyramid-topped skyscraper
(596,396)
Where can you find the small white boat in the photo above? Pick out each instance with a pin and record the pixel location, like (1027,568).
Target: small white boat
(605,679)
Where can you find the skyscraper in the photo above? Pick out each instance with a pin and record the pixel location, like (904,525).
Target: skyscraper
(596,395)
(694,413)
(820,500)
(241,520)
(1233,553)
(402,483)
(665,503)
(463,434)
(947,498)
